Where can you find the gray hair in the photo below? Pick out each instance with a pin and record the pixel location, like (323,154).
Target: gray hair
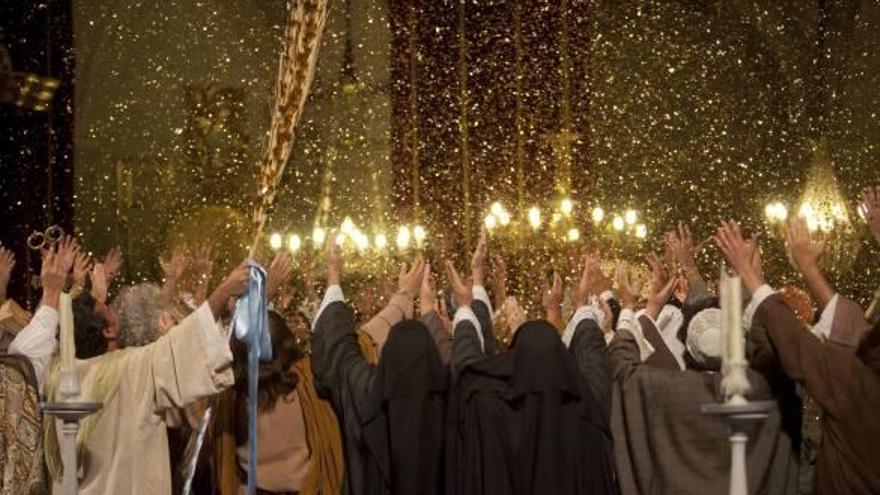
(138,307)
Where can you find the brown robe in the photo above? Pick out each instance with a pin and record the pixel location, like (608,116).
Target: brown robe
(664,445)
(848,393)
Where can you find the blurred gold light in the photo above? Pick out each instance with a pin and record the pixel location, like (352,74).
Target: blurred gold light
(535,217)
(489,221)
(618,223)
(294,242)
(630,217)
(361,241)
(419,234)
(598,214)
(496,208)
(566,206)
(347,225)
(776,212)
(381,241)
(641,231)
(403,236)
(319,235)
(503,218)
(573,235)
(275,241)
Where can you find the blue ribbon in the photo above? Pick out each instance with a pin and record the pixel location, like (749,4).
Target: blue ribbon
(251,327)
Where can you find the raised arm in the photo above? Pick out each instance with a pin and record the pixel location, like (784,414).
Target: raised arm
(400,304)
(591,356)
(806,255)
(430,315)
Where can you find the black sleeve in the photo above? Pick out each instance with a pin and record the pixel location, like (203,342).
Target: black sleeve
(591,357)
(338,364)
(485,318)
(465,347)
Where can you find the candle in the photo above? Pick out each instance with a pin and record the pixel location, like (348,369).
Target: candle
(68,385)
(737,343)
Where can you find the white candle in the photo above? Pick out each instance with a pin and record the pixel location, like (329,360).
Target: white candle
(68,348)
(724,300)
(737,344)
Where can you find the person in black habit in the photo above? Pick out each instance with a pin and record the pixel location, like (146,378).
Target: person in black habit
(392,414)
(533,420)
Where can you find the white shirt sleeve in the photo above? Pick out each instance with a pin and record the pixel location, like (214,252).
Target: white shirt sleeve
(822,329)
(758,298)
(587,312)
(332,295)
(630,323)
(480,294)
(466,313)
(607,296)
(38,341)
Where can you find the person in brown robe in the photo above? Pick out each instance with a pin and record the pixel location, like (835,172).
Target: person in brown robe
(845,384)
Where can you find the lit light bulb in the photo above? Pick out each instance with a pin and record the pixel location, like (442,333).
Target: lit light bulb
(630,217)
(381,241)
(340,239)
(361,241)
(618,223)
(496,208)
(535,217)
(294,242)
(641,231)
(489,222)
(347,226)
(573,235)
(598,214)
(566,206)
(403,236)
(419,234)
(275,241)
(776,212)
(319,235)
(503,218)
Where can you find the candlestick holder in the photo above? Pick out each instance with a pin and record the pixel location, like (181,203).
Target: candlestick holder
(741,420)
(70,414)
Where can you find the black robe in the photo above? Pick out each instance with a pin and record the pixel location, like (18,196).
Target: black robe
(527,422)
(391,415)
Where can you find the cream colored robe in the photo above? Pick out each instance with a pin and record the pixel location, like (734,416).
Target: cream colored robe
(127,452)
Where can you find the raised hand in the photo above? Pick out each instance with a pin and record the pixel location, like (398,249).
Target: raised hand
(53,275)
(99,282)
(583,288)
(552,295)
(478,260)
(871,209)
(113,263)
(514,314)
(800,245)
(278,273)
(174,266)
(410,280)
(499,279)
(82,264)
(333,260)
(464,294)
(7,263)
(741,254)
(628,287)
(427,292)
(681,246)
(661,287)
(232,286)
(443,314)
(68,248)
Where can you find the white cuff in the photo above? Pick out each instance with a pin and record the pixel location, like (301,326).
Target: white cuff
(480,294)
(466,313)
(822,329)
(333,294)
(607,296)
(586,312)
(630,323)
(758,298)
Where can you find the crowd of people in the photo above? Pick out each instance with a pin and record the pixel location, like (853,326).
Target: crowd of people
(416,393)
